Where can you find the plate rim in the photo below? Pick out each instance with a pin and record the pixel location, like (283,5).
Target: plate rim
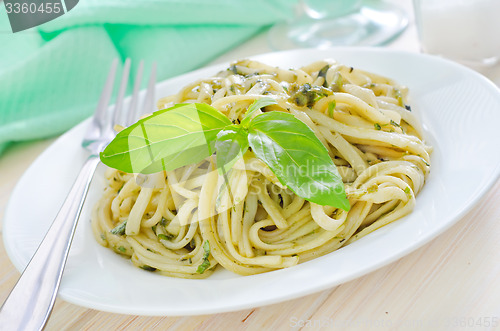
(485,188)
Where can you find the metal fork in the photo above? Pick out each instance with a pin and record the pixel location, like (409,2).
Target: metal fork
(30,302)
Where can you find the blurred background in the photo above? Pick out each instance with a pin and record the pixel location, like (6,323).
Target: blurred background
(51,75)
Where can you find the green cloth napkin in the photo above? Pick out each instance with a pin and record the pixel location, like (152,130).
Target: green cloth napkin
(51,76)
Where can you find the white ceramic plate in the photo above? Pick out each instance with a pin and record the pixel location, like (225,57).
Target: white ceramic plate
(460,111)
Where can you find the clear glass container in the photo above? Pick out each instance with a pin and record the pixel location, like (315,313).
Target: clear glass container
(465,31)
(327,23)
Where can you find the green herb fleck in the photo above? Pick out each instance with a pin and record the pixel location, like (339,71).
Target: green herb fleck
(307,95)
(407,190)
(120,189)
(331,107)
(233,69)
(323,71)
(399,97)
(162,236)
(395,124)
(337,82)
(377,126)
(206,262)
(119,230)
(147,268)
(122,249)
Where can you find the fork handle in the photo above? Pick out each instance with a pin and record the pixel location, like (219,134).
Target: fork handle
(31,300)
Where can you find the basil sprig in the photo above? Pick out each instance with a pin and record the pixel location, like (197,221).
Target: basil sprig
(230,145)
(188,133)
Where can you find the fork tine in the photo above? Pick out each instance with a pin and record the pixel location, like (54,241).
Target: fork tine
(148,105)
(99,123)
(102,106)
(121,92)
(132,116)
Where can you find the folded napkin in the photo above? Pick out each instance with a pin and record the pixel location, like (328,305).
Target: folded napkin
(51,76)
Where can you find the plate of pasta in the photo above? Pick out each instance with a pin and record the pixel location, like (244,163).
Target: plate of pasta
(269,178)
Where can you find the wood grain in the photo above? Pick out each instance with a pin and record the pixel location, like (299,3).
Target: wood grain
(448,284)
(455,277)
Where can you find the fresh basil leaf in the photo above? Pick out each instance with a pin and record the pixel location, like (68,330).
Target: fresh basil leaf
(230,145)
(256,105)
(166,140)
(297,157)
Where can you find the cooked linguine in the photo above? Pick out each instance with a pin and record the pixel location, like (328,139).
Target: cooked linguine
(183,223)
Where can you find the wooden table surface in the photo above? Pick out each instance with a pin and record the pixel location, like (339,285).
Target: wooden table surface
(452,283)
